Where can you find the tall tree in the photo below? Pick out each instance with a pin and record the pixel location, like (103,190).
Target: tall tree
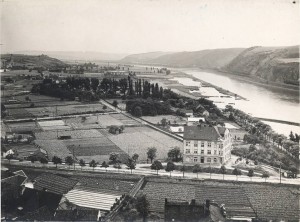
(135,157)
(9,157)
(236,172)
(69,160)
(156,165)
(223,170)
(93,164)
(170,167)
(131,164)
(114,157)
(250,173)
(175,154)
(105,165)
(151,153)
(81,163)
(266,176)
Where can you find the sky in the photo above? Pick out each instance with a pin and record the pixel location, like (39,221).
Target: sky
(136,26)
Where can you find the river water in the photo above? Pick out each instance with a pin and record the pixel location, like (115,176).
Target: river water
(271,103)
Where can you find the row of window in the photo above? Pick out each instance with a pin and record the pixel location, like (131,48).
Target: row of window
(188,151)
(209,144)
(208,160)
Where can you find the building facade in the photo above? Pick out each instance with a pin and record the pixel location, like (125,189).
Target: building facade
(206,144)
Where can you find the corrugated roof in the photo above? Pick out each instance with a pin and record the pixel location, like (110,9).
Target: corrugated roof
(201,132)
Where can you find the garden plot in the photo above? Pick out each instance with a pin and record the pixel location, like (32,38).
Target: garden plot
(138,140)
(53,125)
(74,134)
(125,119)
(92,147)
(19,113)
(54,148)
(171,118)
(23,127)
(106,120)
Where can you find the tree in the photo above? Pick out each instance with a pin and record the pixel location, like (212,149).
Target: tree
(131,164)
(151,153)
(170,167)
(250,173)
(33,159)
(197,169)
(266,176)
(135,157)
(132,215)
(9,157)
(175,154)
(93,164)
(142,206)
(156,165)
(114,157)
(105,165)
(69,160)
(292,137)
(104,107)
(43,161)
(56,160)
(137,111)
(236,172)
(223,170)
(117,166)
(164,122)
(81,163)
(115,103)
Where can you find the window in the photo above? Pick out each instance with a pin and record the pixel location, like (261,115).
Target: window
(202,159)
(209,144)
(202,144)
(195,151)
(208,160)
(221,160)
(215,152)
(187,151)
(221,146)
(202,151)
(208,151)
(195,159)
(215,160)
(188,143)
(195,144)
(215,145)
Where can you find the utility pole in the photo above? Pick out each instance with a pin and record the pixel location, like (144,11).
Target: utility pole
(73,158)
(210,170)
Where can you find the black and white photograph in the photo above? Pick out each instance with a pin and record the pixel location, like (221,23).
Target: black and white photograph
(150,110)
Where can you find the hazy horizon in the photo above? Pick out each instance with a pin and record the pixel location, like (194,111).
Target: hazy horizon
(132,27)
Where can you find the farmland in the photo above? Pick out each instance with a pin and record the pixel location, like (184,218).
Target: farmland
(23,127)
(53,148)
(139,139)
(171,118)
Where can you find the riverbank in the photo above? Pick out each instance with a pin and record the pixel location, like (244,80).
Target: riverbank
(252,80)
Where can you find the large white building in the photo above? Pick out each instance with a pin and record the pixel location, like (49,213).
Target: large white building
(206,144)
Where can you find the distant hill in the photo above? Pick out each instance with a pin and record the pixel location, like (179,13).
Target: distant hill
(77,55)
(19,61)
(274,64)
(278,64)
(214,58)
(143,57)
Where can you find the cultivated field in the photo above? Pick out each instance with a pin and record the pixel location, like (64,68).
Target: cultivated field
(75,134)
(139,139)
(53,125)
(23,127)
(54,148)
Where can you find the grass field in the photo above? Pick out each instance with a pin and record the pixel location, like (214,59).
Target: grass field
(54,148)
(139,139)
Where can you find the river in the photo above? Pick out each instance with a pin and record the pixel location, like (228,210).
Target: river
(265,102)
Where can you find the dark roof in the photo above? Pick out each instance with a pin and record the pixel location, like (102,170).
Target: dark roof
(53,183)
(76,215)
(234,198)
(16,180)
(186,110)
(41,214)
(222,130)
(201,132)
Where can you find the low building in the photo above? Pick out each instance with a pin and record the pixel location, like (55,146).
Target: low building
(206,144)
(236,132)
(195,120)
(187,112)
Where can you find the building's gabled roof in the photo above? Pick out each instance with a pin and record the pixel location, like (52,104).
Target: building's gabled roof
(16,180)
(53,183)
(201,132)
(221,131)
